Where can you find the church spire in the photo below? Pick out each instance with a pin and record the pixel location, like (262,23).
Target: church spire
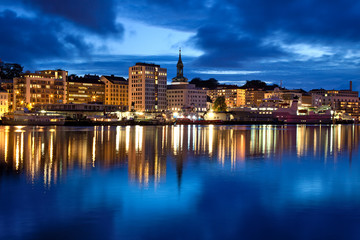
(180,71)
(180,66)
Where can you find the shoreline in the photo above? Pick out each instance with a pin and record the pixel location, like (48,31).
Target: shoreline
(156,123)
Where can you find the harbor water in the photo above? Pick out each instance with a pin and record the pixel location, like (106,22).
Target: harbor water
(180,182)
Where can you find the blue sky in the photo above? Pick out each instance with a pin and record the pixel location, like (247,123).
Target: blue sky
(307,44)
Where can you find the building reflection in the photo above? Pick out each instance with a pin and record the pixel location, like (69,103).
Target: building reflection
(146,155)
(47,154)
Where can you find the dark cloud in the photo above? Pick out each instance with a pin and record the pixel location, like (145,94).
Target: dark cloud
(333,19)
(305,19)
(96,15)
(232,31)
(176,14)
(232,34)
(25,40)
(224,47)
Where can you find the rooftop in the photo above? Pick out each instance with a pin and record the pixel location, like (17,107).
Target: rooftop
(115,79)
(85,80)
(147,64)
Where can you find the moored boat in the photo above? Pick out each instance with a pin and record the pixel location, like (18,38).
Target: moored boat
(295,116)
(32,118)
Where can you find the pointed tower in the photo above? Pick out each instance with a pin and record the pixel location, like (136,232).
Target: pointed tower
(180,71)
(180,66)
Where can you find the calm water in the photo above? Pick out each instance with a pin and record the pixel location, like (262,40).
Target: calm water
(180,182)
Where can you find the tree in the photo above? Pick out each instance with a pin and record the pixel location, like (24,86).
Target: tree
(256,84)
(220,104)
(211,83)
(10,70)
(259,85)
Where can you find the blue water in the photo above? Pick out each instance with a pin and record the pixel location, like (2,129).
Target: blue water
(180,182)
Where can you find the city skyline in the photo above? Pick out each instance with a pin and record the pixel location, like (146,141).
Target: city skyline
(306,45)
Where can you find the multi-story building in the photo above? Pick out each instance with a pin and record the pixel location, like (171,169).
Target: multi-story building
(116,91)
(182,96)
(147,87)
(254,98)
(234,96)
(8,85)
(286,96)
(240,97)
(4,102)
(306,100)
(186,97)
(343,101)
(85,89)
(42,87)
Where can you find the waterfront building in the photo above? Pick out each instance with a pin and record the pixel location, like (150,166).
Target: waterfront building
(116,91)
(41,87)
(285,96)
(253,98)
(234,95)
(4,102)
(306,100)
(8,86)
(182,96)
(85,89)
(147,87)
(340,101)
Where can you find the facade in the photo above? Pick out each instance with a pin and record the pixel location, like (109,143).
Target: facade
(254,98)
(306,100)
(147,87)
(116,91)
(186,97)
(42,87)
(85,89)
(182,96)
(4,102)
(234,96)
(240,97)
(341,101)
(8,85)
(285,96)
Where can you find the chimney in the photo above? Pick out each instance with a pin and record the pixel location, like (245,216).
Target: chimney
(350,85)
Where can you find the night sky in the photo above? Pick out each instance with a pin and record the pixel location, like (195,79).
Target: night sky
(306,44)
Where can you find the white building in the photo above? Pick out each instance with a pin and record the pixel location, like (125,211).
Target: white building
(4,102)
(182,96)
(342,101)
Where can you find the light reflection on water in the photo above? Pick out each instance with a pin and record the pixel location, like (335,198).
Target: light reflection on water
(190,181)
